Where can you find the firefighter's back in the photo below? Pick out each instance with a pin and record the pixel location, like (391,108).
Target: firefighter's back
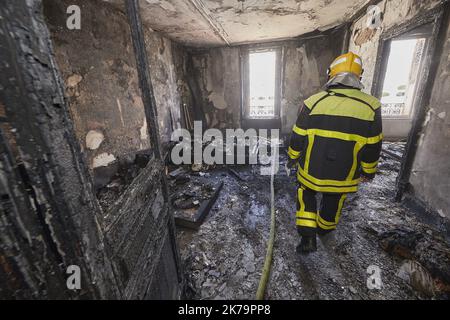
(341,124)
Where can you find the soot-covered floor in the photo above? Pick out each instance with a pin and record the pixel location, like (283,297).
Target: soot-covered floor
(224,258)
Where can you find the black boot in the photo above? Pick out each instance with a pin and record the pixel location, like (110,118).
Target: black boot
(308,244)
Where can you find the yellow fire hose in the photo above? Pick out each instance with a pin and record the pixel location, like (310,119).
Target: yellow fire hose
(269,254)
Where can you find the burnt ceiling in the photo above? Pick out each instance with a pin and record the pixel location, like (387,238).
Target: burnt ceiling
(229,22)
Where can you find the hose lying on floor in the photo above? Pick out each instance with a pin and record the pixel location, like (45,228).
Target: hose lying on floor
(268,262)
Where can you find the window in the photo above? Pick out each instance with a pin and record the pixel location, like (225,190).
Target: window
(402,72)
(262,85)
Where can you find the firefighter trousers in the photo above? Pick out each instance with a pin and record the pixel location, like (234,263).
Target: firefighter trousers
(310,220)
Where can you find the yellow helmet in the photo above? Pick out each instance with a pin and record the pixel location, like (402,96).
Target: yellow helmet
(349,62)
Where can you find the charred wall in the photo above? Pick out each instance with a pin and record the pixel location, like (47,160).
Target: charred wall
(99,71)
(305,71)
(102,87)
(430,174)
(214,77)
(161,54)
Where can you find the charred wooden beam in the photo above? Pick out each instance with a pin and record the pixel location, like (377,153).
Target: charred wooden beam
(143,68)
(167,231)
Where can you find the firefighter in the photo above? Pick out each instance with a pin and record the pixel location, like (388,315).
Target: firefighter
(336,144)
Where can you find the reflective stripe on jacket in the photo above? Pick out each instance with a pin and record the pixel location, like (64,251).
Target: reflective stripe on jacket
(337,137)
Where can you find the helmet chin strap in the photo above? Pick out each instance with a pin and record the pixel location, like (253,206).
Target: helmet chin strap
(346,79)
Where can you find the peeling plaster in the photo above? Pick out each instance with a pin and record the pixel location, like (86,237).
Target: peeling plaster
(74,80)
(103,160)
(364,35)
(94,139)
(218,100)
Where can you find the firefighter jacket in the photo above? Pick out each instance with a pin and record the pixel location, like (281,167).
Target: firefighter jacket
(337,138)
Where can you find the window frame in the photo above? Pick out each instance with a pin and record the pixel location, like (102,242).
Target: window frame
(245,81)
(421,28)
(422,31)
(408,108)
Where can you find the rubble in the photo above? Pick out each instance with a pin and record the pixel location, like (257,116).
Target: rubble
(427,258)
(224,258)
(236,174)
(192,197)
(418,277)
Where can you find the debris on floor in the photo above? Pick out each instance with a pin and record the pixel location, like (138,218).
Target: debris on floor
(224,257)
(427,258)
(393,150)
(192,197)
(397,148)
